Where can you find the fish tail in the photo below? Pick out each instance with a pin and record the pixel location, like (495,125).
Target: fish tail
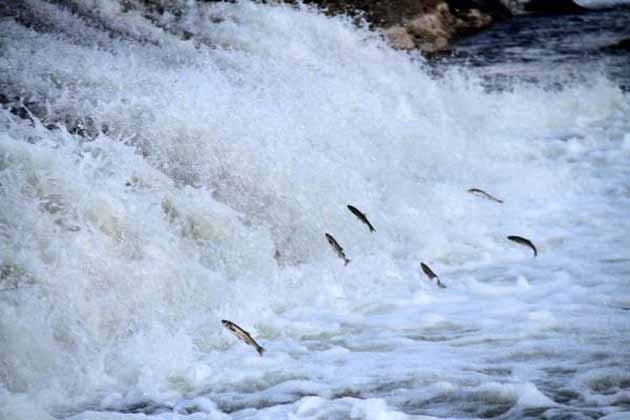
(260,350)
(346,260)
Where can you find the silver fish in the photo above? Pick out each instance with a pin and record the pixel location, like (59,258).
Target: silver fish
(524,241)
(361,216)
(337,248)
(243,335)
(483,194)
(431,275)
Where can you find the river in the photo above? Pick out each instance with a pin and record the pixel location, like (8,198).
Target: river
(160,175)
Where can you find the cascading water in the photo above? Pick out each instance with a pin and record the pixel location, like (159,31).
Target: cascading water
(159,174)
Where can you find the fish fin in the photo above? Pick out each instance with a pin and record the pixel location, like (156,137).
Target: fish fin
(346,261)
(440,284)
(260,350)
(371,228)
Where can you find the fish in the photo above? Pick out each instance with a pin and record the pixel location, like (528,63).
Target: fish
(337,248)
(431,275)
(361,216)
(524,241)
(483,194)
(243,335)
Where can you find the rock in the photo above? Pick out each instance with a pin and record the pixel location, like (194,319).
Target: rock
(472,21)
(399,38)
(516,7)
(620,47)
(434,31)
(428,25)
(553,7)
(378,13)
(497,9)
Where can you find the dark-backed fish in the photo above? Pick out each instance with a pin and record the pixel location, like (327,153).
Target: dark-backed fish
(483,194)
(360,216)
(431,275)
(524,241)
(243,335)
(337,248)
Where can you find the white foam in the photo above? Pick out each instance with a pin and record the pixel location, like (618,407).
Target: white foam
(220,163)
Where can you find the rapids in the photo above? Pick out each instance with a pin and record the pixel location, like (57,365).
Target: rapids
(159,175)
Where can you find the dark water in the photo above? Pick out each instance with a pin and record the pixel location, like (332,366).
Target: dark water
(549,49)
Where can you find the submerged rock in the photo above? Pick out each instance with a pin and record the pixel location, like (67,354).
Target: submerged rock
(619,47)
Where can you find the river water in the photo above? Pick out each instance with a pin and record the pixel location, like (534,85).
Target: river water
(157,176)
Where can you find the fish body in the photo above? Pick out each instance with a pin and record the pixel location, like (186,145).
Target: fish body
(337,248)
(243,335)
(483,194)
(524,241)
(431,275)
(361,216)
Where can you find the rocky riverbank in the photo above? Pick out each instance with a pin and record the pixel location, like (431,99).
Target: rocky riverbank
(427,25)
(435,30)
(433,25)
(430,26)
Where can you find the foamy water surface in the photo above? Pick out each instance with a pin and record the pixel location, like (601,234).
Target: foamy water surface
(157,176)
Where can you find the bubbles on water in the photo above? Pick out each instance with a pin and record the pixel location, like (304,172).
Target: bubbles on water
(162,183)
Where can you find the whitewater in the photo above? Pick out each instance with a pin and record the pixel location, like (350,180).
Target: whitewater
(161,173)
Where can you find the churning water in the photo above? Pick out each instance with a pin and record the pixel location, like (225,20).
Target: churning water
(157,176)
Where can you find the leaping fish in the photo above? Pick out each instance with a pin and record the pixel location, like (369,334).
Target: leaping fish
(524,241)
(360,216)
(243,335)
(337,248)
(483,194)
(431,275)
